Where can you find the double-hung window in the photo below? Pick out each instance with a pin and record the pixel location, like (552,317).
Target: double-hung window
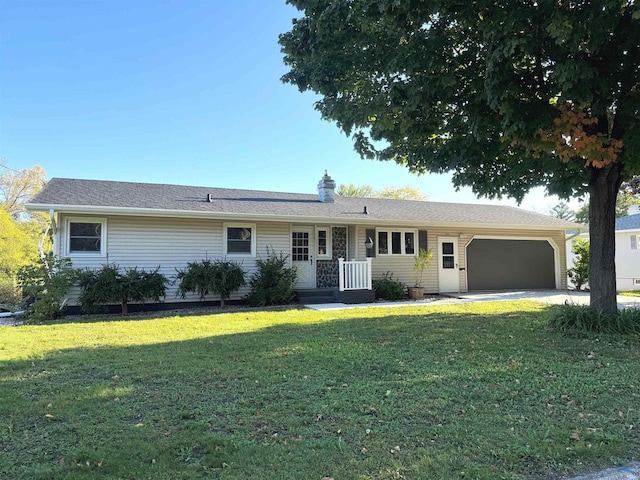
(397,242)
(86,237)
(323,243)
(239,239)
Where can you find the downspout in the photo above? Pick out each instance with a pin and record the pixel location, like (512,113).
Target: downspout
(51,227)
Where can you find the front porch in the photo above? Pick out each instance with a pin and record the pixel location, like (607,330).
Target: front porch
(354,286)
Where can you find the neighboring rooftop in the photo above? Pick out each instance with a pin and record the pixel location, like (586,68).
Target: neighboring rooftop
(99,196)
(630,222)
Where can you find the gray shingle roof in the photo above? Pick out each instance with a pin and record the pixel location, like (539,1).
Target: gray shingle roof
(630,222)
(70,195)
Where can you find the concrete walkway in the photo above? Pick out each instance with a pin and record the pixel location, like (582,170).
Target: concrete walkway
(558,297)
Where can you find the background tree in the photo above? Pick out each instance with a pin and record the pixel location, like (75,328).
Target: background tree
(579,273)
(623,202)
(562,211)
(17,249)
(506,96)
(352,190)
(401,193)
(20,233)
(398,193)
(18,186)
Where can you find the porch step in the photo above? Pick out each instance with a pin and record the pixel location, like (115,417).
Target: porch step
(314,296)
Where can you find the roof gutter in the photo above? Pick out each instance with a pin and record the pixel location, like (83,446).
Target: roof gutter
(571,237)
(352,220)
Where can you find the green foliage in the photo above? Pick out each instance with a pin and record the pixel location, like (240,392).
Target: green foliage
(623,202)
(111,285)
(386,288)
(398,193)
(579,273)
(480,89)
(19,186)
(273,282)
(583,319)
(45,286)
(217,277)
(562,211)
(352,190)
(421,263)
(17,246)
(10,295)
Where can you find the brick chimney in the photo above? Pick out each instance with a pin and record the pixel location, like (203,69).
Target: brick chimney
(326,189)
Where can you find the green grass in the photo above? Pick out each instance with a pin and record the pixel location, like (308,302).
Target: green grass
(468,391)
(630,293)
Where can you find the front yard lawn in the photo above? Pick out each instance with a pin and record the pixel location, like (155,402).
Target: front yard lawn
(468,391)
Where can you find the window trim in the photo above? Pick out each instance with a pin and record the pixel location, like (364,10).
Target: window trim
(403,232)
(103,237)
(328,255)
(225,250)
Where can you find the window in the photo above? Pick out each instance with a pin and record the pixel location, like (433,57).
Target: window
(636,281)
(634,242)
(86,236)
(323,243)
(239,239)
(397,242)
(300,246)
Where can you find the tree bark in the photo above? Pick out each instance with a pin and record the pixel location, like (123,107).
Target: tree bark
(604,186)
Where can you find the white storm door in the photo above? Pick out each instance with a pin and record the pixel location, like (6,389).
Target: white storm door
(302,256)
(448,271)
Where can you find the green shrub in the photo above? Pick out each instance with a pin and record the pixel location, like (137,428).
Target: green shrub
(579,273)
(45,286)
(10,296)
(217,277)
(110,285)
(273,283)
(584,319)
(386,288)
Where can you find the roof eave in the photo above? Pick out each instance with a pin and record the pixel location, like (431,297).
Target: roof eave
(346,220)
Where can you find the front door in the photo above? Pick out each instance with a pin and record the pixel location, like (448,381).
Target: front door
(302,241)
(448,272)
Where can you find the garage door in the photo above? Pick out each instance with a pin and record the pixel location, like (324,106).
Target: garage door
(510,264)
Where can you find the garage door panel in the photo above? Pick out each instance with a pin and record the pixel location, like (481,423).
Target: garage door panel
(496,264)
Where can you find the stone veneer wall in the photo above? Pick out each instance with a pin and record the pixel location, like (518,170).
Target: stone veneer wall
(327,270)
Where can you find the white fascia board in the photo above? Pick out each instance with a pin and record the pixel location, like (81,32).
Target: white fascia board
(366,220)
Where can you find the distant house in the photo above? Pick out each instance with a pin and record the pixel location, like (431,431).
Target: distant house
(476,247)
(627,250)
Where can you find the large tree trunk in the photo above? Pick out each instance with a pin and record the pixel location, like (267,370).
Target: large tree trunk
(605,183)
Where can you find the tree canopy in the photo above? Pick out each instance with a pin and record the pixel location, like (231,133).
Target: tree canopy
(399,193)
(505,95)
(20,234)
(18,186)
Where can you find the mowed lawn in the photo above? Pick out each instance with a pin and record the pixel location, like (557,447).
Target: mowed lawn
(468,391)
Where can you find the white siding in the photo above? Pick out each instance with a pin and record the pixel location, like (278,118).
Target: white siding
(627,261)
(148,242)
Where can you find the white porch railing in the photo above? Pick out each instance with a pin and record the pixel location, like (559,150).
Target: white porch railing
(354,275)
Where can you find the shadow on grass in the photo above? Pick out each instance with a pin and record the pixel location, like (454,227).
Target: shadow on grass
(420,395)
(186,313)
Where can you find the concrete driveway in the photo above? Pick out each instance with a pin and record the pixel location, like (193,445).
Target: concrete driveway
(547,296)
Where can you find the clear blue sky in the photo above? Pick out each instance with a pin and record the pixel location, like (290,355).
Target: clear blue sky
(184,92)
